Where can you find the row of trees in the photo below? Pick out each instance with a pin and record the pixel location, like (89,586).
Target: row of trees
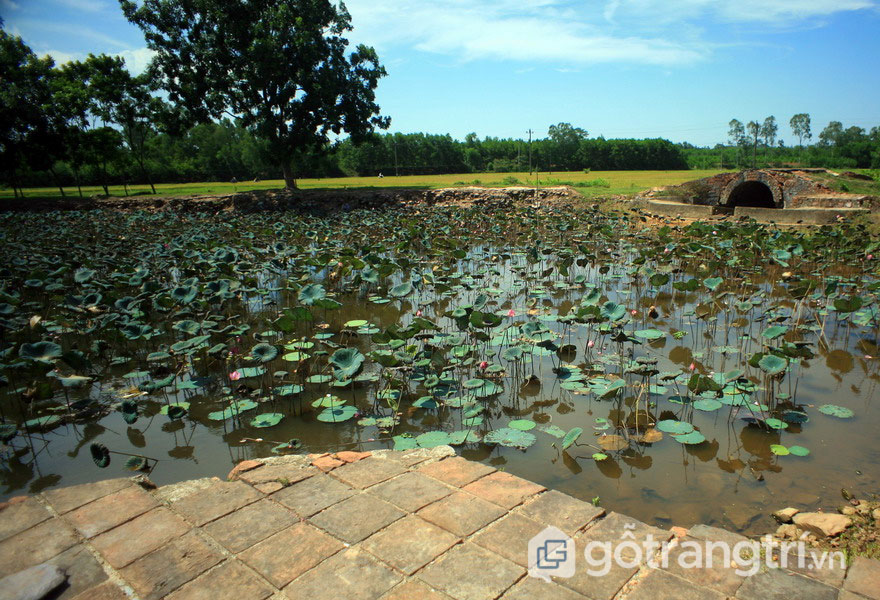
(836,147)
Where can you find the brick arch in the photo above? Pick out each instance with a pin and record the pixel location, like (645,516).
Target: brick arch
(752,181)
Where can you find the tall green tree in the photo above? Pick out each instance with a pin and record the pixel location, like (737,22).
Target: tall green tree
(769,129)
(800,127)
(27,136)
(564,143)
(754,130)
(280,66)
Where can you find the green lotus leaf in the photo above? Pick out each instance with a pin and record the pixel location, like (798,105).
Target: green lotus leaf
(674,427)
(347,362)
(401,290)
(428,402)
(779,450)
(432,439)
(7,432)
(707,404)
(649,334)
(44,422)
(772,364)
(511,438)
(464,436)
(775,424)
(833,410)
(404,442)
(776,331)
(264,352)
(328,401)
(712,283)
(44,352)
(310,293)
(571,437)
(798,451)
(337,415)
(100,454)
(599,456)
(185,294)
(266,420)
(692,438)
(522,424)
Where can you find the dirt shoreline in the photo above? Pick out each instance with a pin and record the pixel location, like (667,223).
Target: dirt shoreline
(307,200)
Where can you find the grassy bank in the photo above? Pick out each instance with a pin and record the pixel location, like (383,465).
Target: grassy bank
(593,184)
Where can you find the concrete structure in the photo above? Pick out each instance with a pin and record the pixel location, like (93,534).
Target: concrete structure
(415,525)
(761,188)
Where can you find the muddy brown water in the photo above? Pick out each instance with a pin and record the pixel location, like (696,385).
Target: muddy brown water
(733,480)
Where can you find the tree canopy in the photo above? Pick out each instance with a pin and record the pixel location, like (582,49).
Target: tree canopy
(280,66)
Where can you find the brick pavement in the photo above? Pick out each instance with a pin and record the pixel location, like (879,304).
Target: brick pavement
(421,524)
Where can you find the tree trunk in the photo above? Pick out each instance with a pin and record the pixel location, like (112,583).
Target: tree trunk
(146,174)
(78,187)
(57,181)
(289,179)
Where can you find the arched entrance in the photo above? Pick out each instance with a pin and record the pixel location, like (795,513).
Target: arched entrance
(752,194)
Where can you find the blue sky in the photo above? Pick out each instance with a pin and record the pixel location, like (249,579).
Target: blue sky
(679,69)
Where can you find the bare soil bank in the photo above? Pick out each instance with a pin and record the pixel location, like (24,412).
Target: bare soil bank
(307,200)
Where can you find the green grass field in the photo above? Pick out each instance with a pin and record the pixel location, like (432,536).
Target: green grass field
(594,184)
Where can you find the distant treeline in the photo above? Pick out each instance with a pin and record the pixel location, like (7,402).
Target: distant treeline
(223,151)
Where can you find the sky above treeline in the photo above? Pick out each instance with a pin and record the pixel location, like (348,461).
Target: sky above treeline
(677,69)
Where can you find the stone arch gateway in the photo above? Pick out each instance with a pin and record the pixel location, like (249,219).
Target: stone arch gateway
(753,189)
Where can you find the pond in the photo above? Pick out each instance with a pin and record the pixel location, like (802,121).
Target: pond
(707,373)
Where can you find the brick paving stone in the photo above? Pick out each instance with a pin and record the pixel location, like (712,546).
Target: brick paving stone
(503,489)
(532,588)
(660,585)
(456,471)
(864,578)
(105,591)
(114,509)
(349,575)
(247,526)
(721,576)
(35,545)
(229,581)
(349,456)
(327,463)
(313,495)
(409,544)
(777,584)
(847,595)
(411,491)
(215,501)
(707,532)
(469,572)
(509,537)
(414,590)
(166,569)
(290,553)
(242,467)
(83,571)
(831,571)
(269,488)
(562,511)
(18,516)
(588,578)
(140,536)
(411,458)
(357,517)
(461,513)
(613,527)
(69,498)
(287,474)
(367,472)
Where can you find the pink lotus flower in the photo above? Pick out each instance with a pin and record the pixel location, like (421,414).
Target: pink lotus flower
(419,313)
(510,313)
(235,376)
(590,344)
(633,312)
(692,367)
(870,257)
(666,250)
(484,365)
(868,357)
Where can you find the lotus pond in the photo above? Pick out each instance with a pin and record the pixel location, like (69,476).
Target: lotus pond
(701,373)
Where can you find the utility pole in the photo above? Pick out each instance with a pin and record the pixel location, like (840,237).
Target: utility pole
(530,132)
(396,172)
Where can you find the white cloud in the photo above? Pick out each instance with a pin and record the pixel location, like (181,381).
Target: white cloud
(654,32)
(9,4)
(92,6)
(525,30)
(72,32)
(760,11)
(135,60)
